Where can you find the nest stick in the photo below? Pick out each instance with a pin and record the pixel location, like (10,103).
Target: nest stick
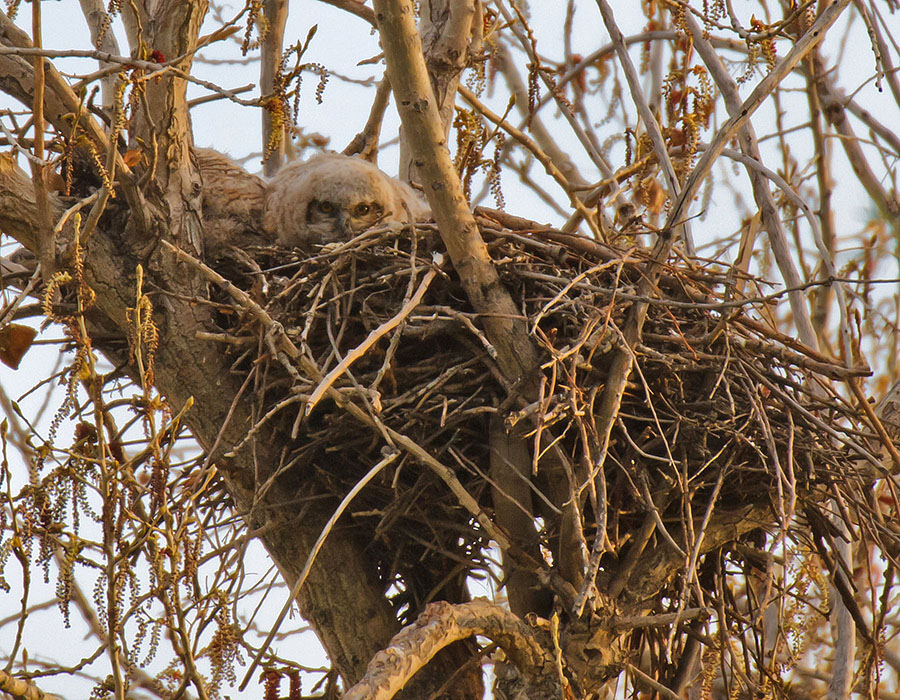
(373,338)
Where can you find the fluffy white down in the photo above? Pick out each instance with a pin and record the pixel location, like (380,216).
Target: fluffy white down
(342,181)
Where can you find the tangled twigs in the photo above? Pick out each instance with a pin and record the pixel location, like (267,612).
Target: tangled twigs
(307,367)
(373,338)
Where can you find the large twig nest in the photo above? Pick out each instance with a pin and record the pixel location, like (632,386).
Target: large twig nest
(717,403)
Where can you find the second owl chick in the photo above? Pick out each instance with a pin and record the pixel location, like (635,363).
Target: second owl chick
(331,198)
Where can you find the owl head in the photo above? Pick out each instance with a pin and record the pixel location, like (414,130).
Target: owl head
(331,198)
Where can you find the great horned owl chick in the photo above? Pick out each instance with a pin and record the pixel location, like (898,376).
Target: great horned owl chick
(232,202)
(331,198)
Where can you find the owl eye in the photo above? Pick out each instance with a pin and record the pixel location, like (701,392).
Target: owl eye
(361,209)
(325,207)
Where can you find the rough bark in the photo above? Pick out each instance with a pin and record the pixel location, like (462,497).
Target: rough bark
(445,27)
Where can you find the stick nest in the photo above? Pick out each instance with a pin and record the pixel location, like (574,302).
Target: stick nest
(717,402)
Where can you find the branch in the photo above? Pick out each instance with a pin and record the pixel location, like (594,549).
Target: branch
(354,7)
(844,628)
(503,323)
(23,690)
(365,143)
(442,624)
(18,81)
(60,103)
(660,562)
(510,466)
(276,12)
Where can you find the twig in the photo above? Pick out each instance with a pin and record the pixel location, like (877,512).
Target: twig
(647,116)
(389,458)
(843,303)
(522,32)
(354,7)
(373,337)
(644,679)
(365,143)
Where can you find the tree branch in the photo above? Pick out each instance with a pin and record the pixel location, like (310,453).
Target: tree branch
(276,12)
(504,326)
(442,624)
(23,690)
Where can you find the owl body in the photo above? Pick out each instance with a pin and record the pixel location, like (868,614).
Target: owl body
(331,198)
(232,201)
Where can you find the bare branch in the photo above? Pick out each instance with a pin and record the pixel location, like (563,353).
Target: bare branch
(354,7)
(276,12)
(418,111)
(440,625)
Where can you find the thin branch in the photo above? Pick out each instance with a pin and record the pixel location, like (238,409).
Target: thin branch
(354,7)
(365,143)
(647,116)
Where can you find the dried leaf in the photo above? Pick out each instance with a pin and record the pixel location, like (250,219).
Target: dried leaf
(15,339)
(132,157)
(652,195)
(56,182)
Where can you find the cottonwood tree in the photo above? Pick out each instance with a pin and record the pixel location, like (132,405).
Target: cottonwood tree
(667,468)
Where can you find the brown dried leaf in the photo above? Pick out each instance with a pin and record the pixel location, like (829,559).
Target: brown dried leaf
(15,339)
(132,157)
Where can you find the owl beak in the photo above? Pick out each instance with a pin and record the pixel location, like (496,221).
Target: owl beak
(344,226)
